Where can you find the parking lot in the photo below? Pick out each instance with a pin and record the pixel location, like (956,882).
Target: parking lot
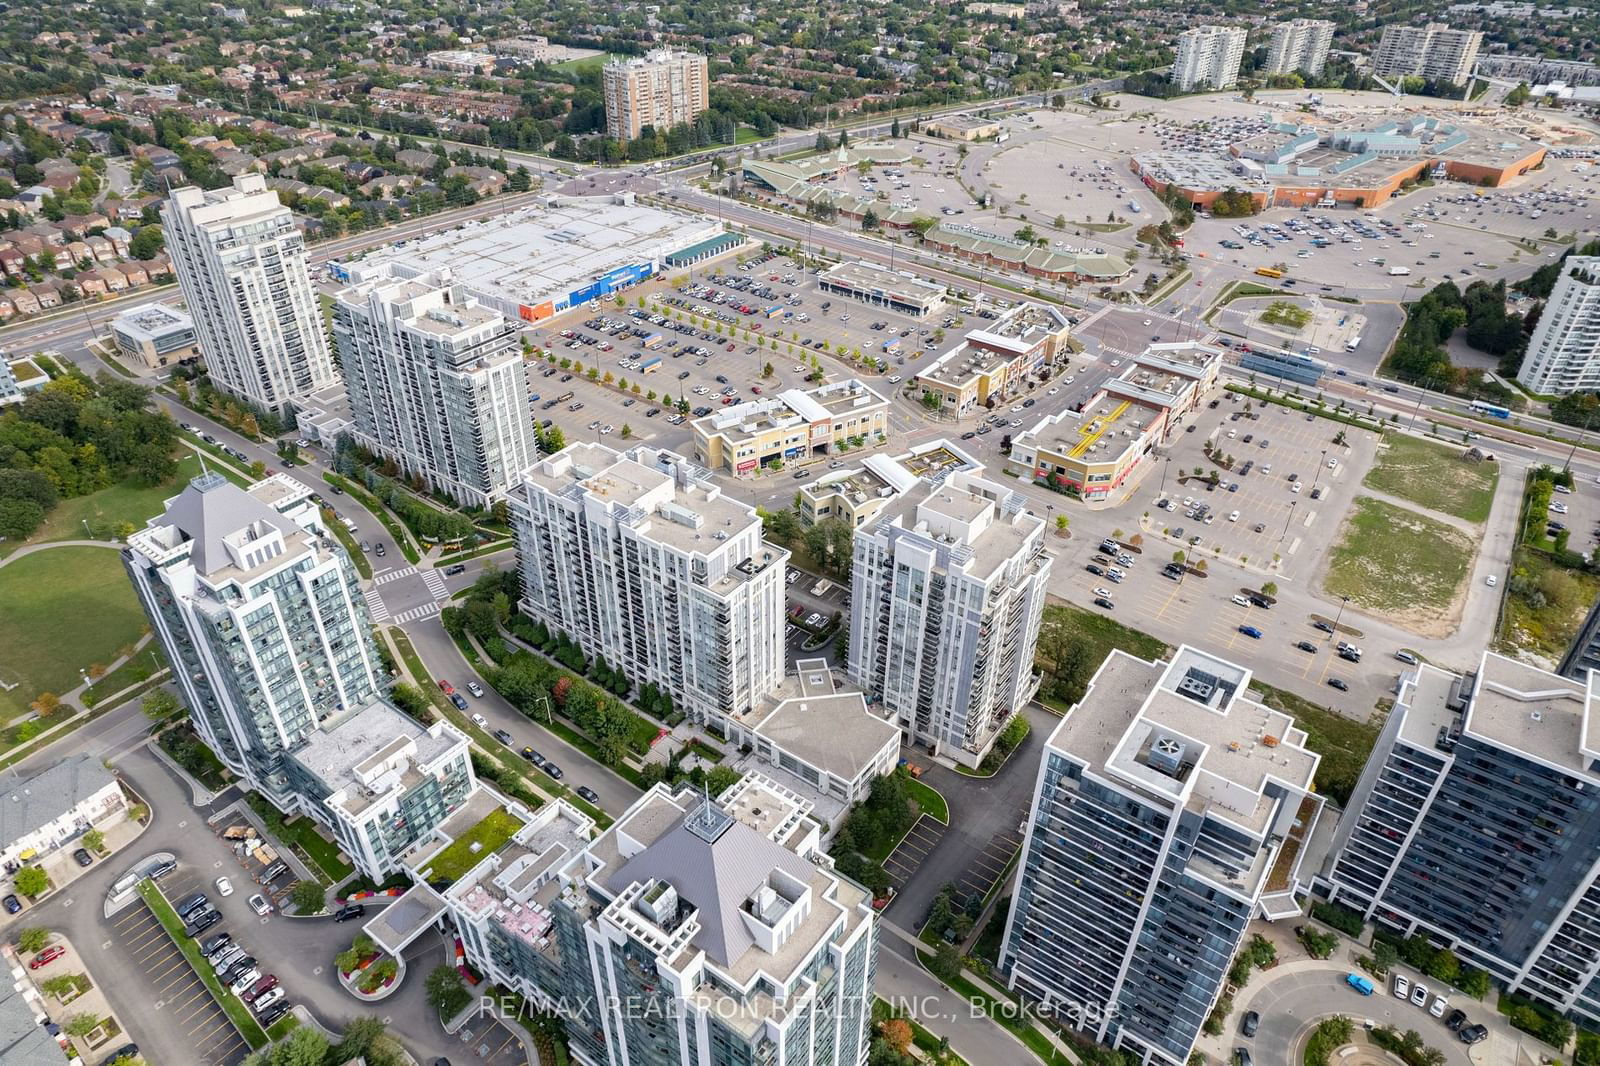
(185,1008)
(913,850)
(492,1040)
(987,867)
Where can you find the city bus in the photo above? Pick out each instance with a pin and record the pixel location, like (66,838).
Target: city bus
(1269,272)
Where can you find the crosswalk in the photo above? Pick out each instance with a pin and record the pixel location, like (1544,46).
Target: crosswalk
(395,575)
(435,582)
(375,605)
(417,614)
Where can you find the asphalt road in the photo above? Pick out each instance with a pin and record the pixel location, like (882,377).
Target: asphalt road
(1291,1004)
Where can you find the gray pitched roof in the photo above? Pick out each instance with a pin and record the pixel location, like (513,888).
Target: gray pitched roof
(23,1041)
(49,794)
(715,877)
(212,507)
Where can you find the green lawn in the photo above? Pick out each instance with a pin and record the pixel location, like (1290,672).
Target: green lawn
(1066,628)
(141,667)
(303,836)
(746,135)
(490,835)
(929,799)
(65,610)
(1434,476)
(1397,561)
(231,1005)
(1284,313)
(578,66)
(110,507)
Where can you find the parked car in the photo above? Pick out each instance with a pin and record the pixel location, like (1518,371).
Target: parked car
(213,944)
(262,986)
(46,957)
(1402,986)
(267,999)
(553,770)
(259,904)
(1306,645)
(224,887)
(588,794)
(1456,1020)
(1359,983)
(245,981)
(12,904)
(1473,1034)
(475,688)
(274,1012)
(349,911)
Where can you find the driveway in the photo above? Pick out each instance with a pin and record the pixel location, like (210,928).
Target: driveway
(985,819)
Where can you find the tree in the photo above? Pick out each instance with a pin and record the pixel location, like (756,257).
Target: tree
(31,881)
(946,963)
(1269,589)
(308,897)
(304,1046)
(446,991)
(95,840)
(159,703)
(1061,523)
(897,1032)
(61,985)
(81,1024)
(147,243)
(258,470)
(32,939)
(46,704)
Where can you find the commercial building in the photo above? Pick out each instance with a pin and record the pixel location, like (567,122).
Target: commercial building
(435,381)
(532,48)
(1294,165)
(993,361)
(1434,51)
(1208,57)
(947,590)
(639,557)
(822,738)
(1299,45)
(694,930)
(259,612)
(51,809)
(539,261)
(880,287)
(460,61)
(156,335)
(659,90)
(804,184)
(857,495)
(1476,823)
(795,426)
(1171,809)
(1091,452)
(1564,351)
(963,127)
(241,266)
(1056,262)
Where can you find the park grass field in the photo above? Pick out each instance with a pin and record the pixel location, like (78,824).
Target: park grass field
(1398,562)
(110,507)
(65,610)
(1433,476)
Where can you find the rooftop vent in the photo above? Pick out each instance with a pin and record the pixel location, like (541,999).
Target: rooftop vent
(1166,754)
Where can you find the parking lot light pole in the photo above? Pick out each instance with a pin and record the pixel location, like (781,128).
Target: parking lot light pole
(1164,468)
(1337,616)
(1290,518)
(1320,466)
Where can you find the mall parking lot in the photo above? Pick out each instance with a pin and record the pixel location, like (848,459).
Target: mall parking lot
(184,1008)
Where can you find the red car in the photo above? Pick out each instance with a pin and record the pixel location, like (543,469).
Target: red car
(446,687)
(266,984)
(731,347)
(756,389)
(46,957)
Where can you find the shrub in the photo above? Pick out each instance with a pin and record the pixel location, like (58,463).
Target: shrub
(1342,918)
(32,939)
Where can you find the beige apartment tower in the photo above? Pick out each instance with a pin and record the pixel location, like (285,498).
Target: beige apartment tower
(1433,51)
(1299,45)
(662,89)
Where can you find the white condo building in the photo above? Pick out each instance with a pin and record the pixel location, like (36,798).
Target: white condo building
(1299,45)
(947,592)
(259,612)
(1433,51)
(696,930)
(1208,57)
(436,382)
(241,265)
(639,557)
(663,89)
(1564,351)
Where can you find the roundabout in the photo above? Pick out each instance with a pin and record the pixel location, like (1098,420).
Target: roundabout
(1292,1003)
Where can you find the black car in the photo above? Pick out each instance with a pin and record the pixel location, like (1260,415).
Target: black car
(82,857)
(455,698)
(201,922)
(533,756)
(273,1013)
(1326,627)
(1473,1034)
(1101,601)
(213,944)
(553,770)
(455,568)
(1455,1020)
(503,737)
(588,794)
(968,435)
(1249,1024)
(126,1051)
(379,551)
(348,911)
(683,375)
(1095,570)
(1334,682)
(1306,645)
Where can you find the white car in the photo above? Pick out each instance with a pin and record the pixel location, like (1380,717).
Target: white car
(1440,1005)
(1402,986)
(1233,516)
(259,904)
(895,380)
(480,721)
(1054,390)
(475,688)
(1104,592)
(267,999)
(1295,488)
(1419,994)
(1241,601)
(1333,464)
(224,887)
(605,430)
(1015,408)
(798,369)
(246,979)
(1491,581)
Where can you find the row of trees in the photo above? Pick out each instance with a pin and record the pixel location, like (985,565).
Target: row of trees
(365,1039)
(870,828)
(73,437)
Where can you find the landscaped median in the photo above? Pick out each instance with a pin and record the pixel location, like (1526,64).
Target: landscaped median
(231,1005)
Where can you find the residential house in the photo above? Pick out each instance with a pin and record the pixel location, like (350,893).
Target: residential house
(26,301)
(48,293)
(485,181)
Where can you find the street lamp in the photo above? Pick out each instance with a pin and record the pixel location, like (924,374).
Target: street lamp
(1320,467)
(1340,614)
(1289,518)
(1166,466)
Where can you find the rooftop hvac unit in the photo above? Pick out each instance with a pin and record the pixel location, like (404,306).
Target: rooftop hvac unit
(1196,688)
(1166,754)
